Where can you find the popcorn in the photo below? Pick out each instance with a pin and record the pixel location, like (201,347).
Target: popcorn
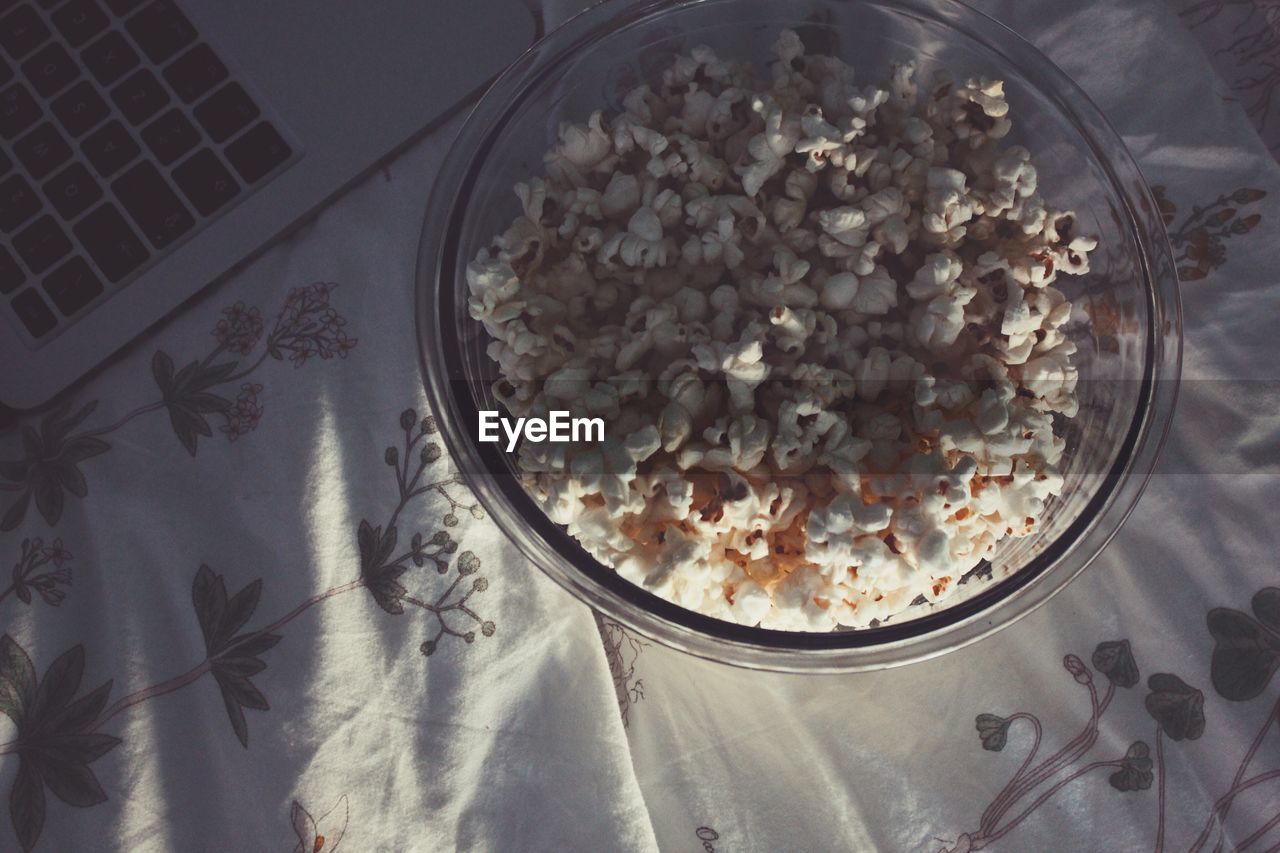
(819,320)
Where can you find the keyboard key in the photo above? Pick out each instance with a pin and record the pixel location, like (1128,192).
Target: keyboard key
(80,108)
(18,202)
(205,182)
(72,286)
(226,111)
(111,242)
(18,110)
(11,274)
(122,7)
(258,152)
(42,150)
(41,244)
(195,72)
(50,68)
(110,58)
(33,313)
(72,190)
(140,96)
(79,21)
(161,30)
(110,148)
(170,136)
(159,213)
(22,31)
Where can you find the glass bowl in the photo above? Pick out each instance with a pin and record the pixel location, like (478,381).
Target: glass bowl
(1128,327)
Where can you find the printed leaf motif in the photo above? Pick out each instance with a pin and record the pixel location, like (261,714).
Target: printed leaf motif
(1135,769)
(16,512)
(1176,706)
(1246,651)
(235,715)
(48,493)
(54,745)
(1114,659)
(74,784)
(1266,606)
(238,610)
(26,805)
(162,370)
(51,466)
(17,680)
(188,426)
(83,711)
(233,659)
(379,576)
(993,730)
(209,597)
(187,397)
(84,447)
(61,681)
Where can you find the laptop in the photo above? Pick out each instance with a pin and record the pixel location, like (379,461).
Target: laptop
(150,147)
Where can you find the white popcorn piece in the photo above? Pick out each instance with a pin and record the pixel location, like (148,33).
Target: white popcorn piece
(581,149)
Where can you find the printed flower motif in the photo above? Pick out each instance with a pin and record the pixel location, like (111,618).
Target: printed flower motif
(308,326)
(56,553)
(323,835)
(1246,650)
(1078,670)
(1135,769)
(1115,661)
(1202,236)
(1176,706)
(49,585)
(993,730)
(244,414)
(240,328)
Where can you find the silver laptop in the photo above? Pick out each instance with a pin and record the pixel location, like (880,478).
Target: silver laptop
(151,146)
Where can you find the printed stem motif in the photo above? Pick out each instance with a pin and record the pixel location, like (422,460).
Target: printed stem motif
(1160,788)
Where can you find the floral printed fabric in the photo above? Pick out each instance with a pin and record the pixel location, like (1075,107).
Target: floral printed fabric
(252,606)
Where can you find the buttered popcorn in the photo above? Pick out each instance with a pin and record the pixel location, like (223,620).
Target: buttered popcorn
(820,322)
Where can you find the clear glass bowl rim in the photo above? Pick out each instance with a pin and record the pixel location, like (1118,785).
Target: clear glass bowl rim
(894,644)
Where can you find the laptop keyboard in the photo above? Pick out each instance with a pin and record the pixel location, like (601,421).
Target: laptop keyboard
(123,134)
